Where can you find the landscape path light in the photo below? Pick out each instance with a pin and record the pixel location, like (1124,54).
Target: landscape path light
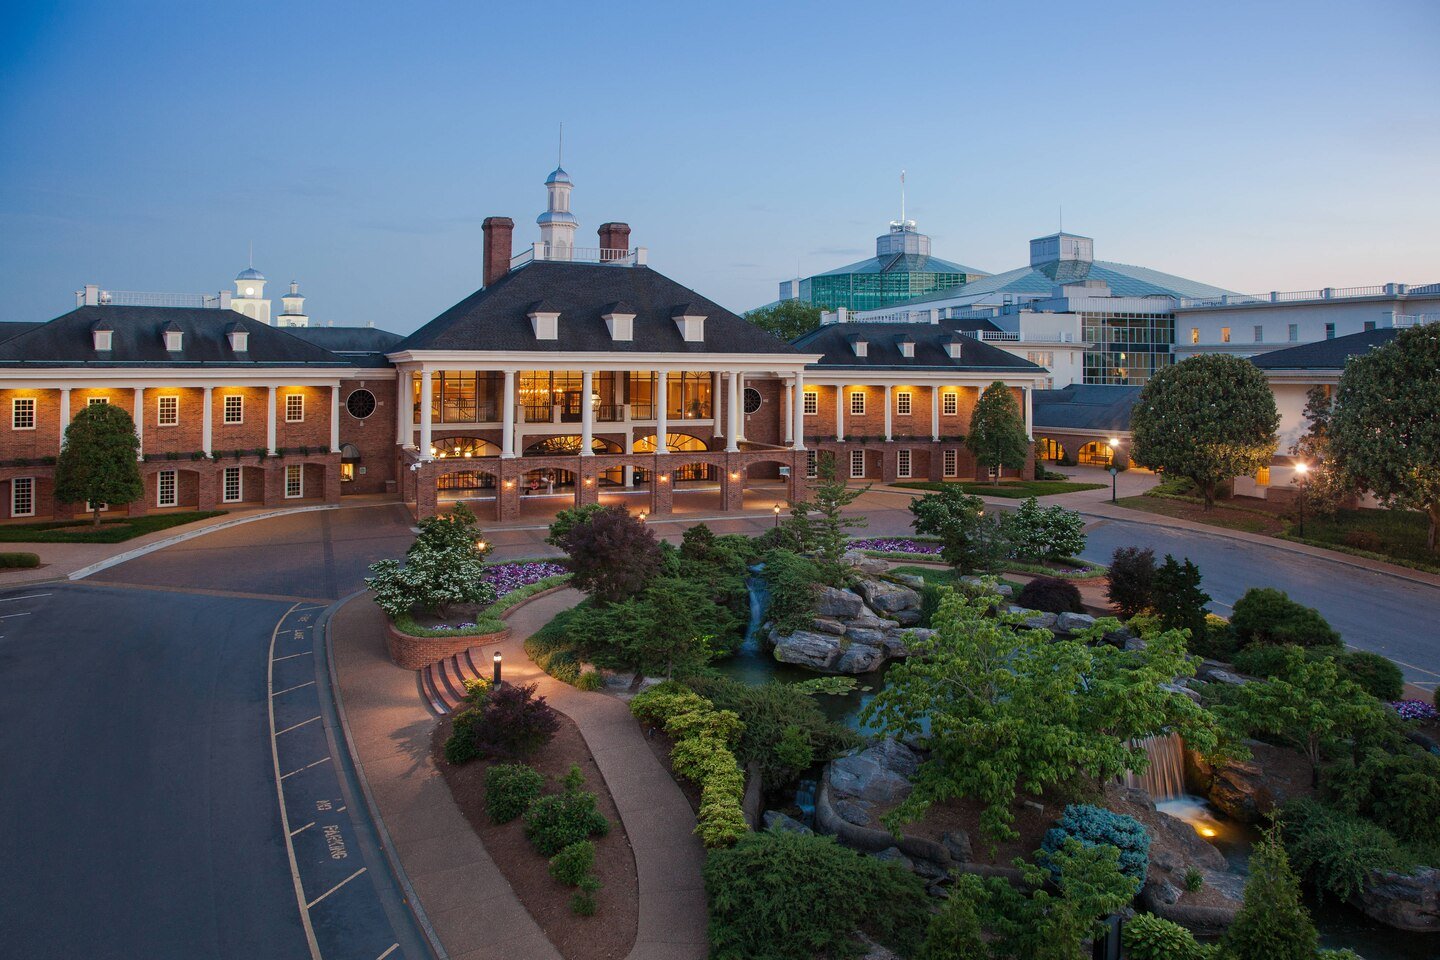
(496,684)
(1114,467)
(1301,469)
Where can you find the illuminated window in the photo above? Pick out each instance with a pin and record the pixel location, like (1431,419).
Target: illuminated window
(902,403)
(347,472)
(1194,334)
(294,408)
(950,404)
(168,411)
(1262,477)
(812,402)
(22,413)
(857,402)
(1224,334)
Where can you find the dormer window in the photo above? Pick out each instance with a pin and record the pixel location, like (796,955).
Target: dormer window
(239,340)
(620,319)
(907,347)
(690,322)
(174,338)
(861,347)
(545,321)
(104,338)
(952,348)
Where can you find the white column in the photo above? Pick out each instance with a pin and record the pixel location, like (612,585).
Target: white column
(740,405)
(732,414)
(934,412)
(507,416)
(335,418)
(140,421)
(404,415)
(629,471)
(426,392)
(1029,412)
(839,412)
(270,421)
(662,411)
(717,390)
(207,423)
(888,412)
(797,410)
(64,413)
(587,414)
(787,391)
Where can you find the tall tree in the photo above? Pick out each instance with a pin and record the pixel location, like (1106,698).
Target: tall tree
(1273,924)
(1386,426)
(1325,485)
(1210,419)
(819,526)
(997,430)
(98,459)
(445,565)
(787,319)
(971,540)
(612,554)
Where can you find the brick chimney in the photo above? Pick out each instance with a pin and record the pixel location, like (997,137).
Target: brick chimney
(614,237)
(497,232)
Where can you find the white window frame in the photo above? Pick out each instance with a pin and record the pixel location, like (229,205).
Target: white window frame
(15,486)
(1292,333)
(173,402)
(811,402)
(297,472)
(1259,333)
(97,401)
(173,478)
(812,464)
(1224,334)
(857,403)
(902,464)
(298,401)
(239,407)
(950,404)
(225,475)
(23,403)
(857,460)
(902,403)
(92,507)
(952,462)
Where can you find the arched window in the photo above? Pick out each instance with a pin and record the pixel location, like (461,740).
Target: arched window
(674,442)
(569,444)
(448,448)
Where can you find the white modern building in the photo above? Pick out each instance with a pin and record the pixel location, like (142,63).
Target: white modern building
(1249,325)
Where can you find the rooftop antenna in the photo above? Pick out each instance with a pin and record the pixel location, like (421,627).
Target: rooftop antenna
(560,154)
(1062,218)
(252,254)
(902,198)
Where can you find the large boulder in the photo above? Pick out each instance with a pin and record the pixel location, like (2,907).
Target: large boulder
(1406,901)
(1000,589)
(778,822)
(873,636)
(879,774)
(897,640)
(805,648)
(828,625)
(1241,790)
(1073,623)
(887,598)
(913,581)
(894,755)
(1035,619)
(833,602)
(872,566)
(859,658)
(907,618)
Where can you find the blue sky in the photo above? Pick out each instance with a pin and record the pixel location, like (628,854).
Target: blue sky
(1256,146)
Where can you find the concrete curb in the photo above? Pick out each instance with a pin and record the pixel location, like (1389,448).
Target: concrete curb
(392,857)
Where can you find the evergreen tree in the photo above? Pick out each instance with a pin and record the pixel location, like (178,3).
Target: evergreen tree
(1325,486)
(819,526)
(98,459)
(971,540)
(997,430)
(1273,924)
(1177,597)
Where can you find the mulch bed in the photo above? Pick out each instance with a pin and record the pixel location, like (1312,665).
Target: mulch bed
(610,933)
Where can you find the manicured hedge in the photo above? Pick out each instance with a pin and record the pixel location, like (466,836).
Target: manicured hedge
(115,530)
(21,561)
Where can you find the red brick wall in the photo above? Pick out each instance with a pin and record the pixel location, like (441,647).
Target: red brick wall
(44,440)
(374,436)
(314,430)
(248,436)
(185,437)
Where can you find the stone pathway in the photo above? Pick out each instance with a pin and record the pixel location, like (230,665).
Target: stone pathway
(472,908)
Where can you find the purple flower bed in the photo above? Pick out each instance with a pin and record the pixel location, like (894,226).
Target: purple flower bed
(897,545)
(509,577)
(1415,710)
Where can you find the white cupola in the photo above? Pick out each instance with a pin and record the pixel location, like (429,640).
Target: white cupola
(249,296)
(292,312)
(557,223)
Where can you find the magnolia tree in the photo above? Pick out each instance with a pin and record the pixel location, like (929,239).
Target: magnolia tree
(1385,432)
(997,430)
(1209,419)
(970,539)
(98,462)
(444,566)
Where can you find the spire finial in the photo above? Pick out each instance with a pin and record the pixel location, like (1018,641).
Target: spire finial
(1062,218)
(560,154)
(252,255)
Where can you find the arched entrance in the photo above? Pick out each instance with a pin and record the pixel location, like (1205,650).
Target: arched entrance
(674,442)
(766,484)
(697,488)
(569,445)
(1095,454)
(547,482)
(462,448)
(465,485)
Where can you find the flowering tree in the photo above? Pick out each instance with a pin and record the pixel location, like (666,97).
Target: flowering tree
(1044,533)
(445,565)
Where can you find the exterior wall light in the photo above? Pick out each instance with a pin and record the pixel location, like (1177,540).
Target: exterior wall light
(509,484)
(664,478)
(589,481)
(734,475)
(643,516)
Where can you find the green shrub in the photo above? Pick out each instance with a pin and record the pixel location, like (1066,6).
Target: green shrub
(1095,826)
(1272,924)
(780,896)
(557,820)
(1335,852)
(573,863)
(1194,880)
(1400,791)
(1052,595)
(1216,641)
(1267,615)
(930,595)
(1178,600)
(590,681)
(1132,580)
(510,789)
(1379,675)
(514,722)
(460,745)
(784,730)
(583,904)
(1264,660)
(792,580)
(1148,937)
(1037,533)
(22,561)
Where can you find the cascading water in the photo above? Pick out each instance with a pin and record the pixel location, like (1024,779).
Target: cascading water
(1164,776)
(759,602)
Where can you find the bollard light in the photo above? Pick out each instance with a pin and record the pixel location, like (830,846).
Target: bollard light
(497,670)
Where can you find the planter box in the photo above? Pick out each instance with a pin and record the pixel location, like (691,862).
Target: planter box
(417,653)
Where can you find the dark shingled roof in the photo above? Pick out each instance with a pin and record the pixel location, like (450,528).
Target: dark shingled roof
(834,341)
(138,340)
(1085,406)
(10,328)
(360,346)
(497,317)
(1324,354)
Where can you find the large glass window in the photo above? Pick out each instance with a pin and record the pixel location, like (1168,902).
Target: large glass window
(1128,348)
(687,395)
(464,396)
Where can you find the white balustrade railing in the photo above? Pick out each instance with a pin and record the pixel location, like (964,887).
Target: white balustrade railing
(1293,296)
(544,251)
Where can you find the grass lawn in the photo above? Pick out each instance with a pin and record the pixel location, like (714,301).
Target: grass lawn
(1394,535)
(1014,489)
(109,531)
(1247,519)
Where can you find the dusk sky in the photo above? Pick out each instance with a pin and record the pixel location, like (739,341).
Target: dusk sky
(1254,146)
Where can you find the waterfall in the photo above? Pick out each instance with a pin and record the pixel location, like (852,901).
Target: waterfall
(1164,777)
(759,601)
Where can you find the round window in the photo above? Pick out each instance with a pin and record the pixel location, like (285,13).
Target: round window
(752,400)
(360,403)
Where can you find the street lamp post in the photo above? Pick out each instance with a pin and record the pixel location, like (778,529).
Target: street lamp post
(1301,469)
(1114,468)
(777,515)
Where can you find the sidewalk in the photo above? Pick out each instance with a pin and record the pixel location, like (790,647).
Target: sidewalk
(471,907)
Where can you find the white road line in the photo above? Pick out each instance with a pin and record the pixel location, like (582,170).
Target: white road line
(277,693)
(280,795)
(393,948)
(336,887)
(295,725)
(9,615)
(304,768)
(28,596)
(291,656)
(302,829)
